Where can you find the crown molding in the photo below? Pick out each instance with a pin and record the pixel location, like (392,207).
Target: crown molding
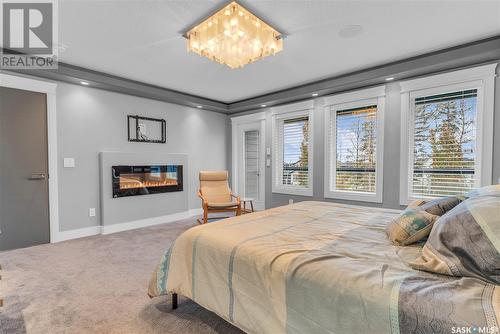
(463,56)
(75,74)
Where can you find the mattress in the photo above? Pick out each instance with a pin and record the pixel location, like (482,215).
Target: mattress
(318,267)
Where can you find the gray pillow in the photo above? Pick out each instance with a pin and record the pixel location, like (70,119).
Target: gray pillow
(440,206)
(465,241)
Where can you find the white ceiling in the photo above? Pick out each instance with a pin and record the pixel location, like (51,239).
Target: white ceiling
(141,40)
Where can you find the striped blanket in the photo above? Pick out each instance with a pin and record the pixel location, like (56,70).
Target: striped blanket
(317,267)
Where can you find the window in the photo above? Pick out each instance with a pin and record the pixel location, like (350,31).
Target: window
(293,150)
(356,132)
(354,157)
(446,137)
(444,142)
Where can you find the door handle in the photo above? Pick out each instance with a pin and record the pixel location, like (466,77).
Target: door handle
(37,176)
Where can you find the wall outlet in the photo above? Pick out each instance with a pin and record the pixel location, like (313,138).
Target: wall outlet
(268,151)
(268,162)
(91,212)
(290,201)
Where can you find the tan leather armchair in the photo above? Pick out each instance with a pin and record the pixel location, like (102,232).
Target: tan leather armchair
(215,194)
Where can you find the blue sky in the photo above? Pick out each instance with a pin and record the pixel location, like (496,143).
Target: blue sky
(293,137)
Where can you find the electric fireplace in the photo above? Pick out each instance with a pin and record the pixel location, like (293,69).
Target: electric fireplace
(145,180)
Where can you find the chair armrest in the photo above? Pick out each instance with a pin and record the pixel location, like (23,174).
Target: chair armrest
(203,199)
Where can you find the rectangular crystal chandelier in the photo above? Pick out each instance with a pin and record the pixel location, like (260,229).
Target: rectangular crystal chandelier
(235,37)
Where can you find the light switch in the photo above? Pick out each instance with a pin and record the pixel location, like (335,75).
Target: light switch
(268,162)
(268,151)
(69,162)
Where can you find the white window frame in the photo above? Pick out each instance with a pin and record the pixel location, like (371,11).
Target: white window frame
(360,98)
(282,113)
(481,78)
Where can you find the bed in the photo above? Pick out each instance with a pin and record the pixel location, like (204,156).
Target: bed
(317,267)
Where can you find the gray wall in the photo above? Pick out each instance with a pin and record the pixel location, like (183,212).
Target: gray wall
(90,121)
(392,123)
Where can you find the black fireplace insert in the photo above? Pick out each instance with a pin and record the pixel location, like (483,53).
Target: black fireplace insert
(145,180)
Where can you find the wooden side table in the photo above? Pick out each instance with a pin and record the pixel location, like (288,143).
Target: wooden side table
(244,201)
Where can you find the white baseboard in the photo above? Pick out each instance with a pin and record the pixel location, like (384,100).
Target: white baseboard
(196,212)
(95,230)
(145,222)
(77,233)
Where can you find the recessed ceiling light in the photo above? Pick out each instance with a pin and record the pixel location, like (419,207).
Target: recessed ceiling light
(85,83)
(314,94)
(389,79)
(263,105)
(199,107)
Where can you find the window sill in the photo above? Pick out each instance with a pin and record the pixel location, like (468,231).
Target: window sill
(293,191)
(354,196)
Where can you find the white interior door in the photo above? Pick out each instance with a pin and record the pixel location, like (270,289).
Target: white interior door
(251,164)
(249,169)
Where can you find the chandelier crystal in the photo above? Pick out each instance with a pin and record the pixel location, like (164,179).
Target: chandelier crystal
(235,37)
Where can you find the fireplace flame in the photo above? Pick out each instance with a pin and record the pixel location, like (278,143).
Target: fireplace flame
(131,183)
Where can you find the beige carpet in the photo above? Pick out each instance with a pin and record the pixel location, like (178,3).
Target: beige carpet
(97,285)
